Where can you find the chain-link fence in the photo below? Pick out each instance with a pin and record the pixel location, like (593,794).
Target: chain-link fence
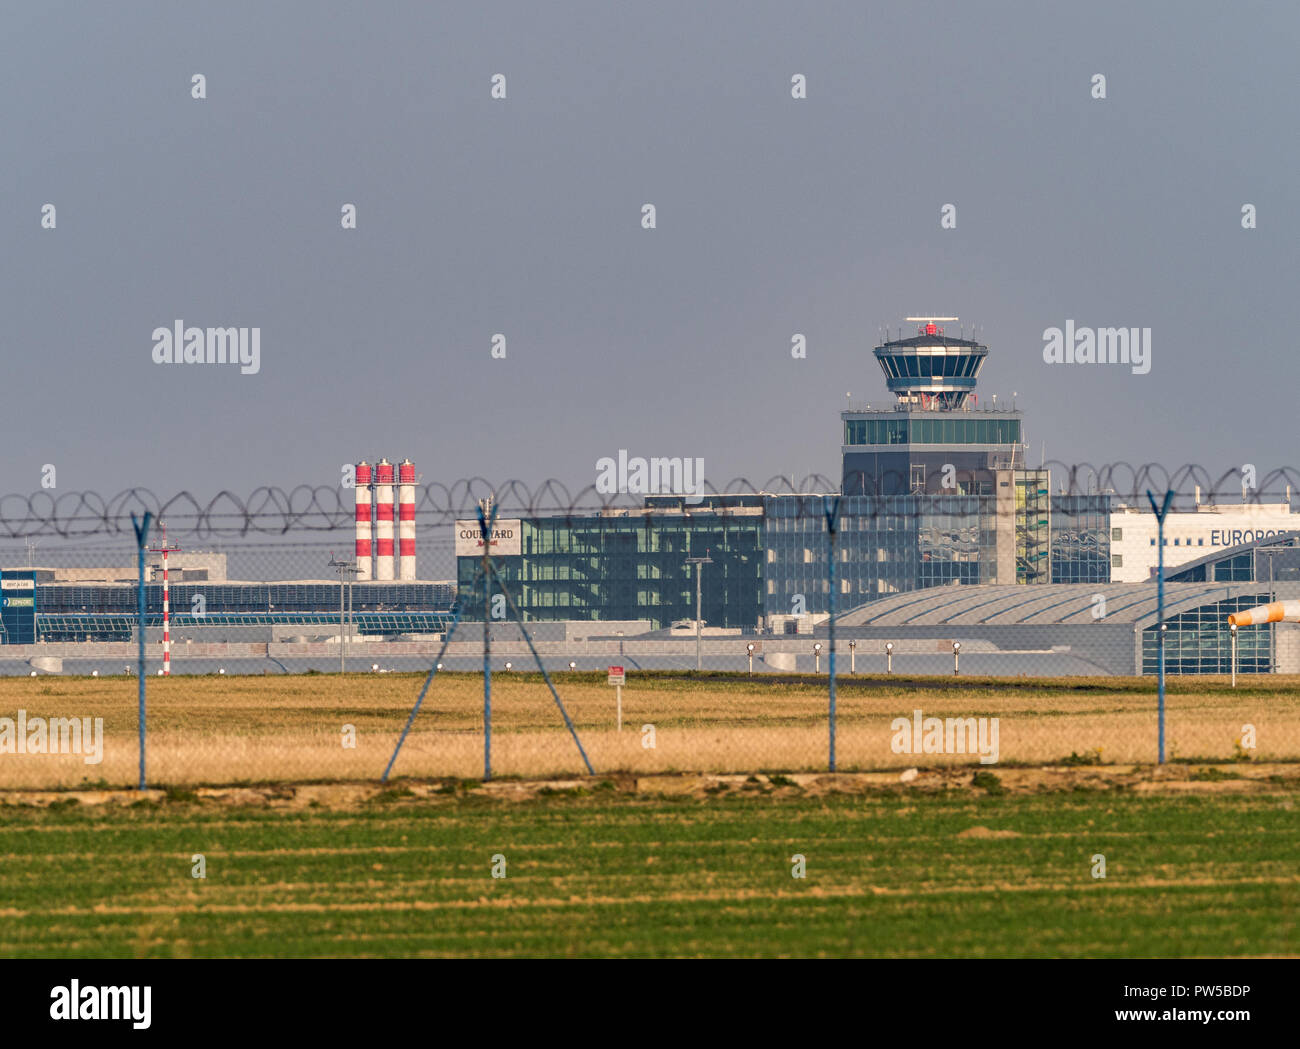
(961,625)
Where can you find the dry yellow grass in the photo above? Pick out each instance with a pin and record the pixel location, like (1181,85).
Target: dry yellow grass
(256,729)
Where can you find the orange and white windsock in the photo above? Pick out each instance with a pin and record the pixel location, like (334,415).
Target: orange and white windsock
(363,480)
(1276,612)
(406,520)
(384,520)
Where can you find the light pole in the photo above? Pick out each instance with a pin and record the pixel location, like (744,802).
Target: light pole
(889,657)
(817,658)
(343,567)
(750,649)
(698,562)
(853,657)
(956,656)
(1232,631)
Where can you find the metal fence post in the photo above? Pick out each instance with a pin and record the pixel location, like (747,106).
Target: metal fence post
(141,538)
(831,508)
(1160,512)
(487,520)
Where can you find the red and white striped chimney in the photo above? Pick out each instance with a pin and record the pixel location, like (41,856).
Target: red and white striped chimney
(384,520)
(364,567)
(406,520)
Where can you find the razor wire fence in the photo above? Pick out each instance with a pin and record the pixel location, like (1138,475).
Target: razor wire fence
(275,511)
(951,643)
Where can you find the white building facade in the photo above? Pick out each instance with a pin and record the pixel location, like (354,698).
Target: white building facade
(1189,535)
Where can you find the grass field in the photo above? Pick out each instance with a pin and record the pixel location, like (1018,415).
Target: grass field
(897,874)
(291,728)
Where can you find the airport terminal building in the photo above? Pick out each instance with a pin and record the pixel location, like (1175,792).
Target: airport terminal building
(939,515)
(934,493)
(944,533)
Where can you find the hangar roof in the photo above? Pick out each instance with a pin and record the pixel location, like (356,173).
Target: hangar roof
(1014,604)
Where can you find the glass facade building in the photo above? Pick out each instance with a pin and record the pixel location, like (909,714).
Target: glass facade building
(107,611)
(1199,642)
(1080,538)
(632,564)
(885,545)
(905,451)
(19,601)
(949,428)
(109,626)
(270,598)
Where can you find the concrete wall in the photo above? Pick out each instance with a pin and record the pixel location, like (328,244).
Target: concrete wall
(1005,571)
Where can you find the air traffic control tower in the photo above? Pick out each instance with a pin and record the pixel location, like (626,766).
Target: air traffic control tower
(936,439)
(939,445)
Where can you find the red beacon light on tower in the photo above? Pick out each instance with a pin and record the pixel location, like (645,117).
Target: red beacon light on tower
(929,325)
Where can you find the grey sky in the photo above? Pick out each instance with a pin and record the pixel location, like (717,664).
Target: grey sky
(775,216)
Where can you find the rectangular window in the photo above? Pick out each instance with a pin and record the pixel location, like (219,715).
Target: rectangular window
(1117,535)
(1116,560)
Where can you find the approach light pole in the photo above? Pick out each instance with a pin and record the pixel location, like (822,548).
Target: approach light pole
(750,649)
(699,563)
(889,657)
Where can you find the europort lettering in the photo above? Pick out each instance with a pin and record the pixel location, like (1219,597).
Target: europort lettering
(1237,536)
